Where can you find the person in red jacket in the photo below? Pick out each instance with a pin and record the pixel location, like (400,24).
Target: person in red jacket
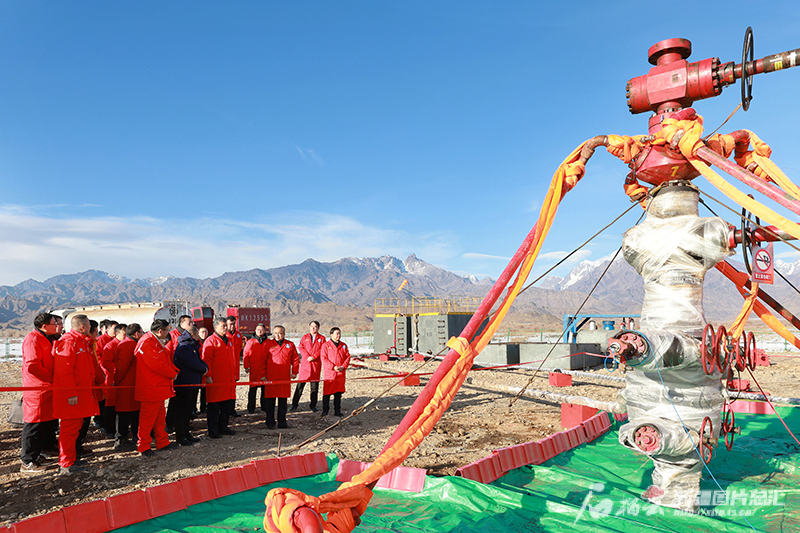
(155,373)
(125,379)
(223,373)
(235,336)
(310,365)
(73,399)
(107,358)
(238,347)
(98,395)
(335,360)
(255,355)
(105,420)
(282,365)
(39,429)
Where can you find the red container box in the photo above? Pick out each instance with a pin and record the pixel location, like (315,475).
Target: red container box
(411,381)
(573,414)
(557,379)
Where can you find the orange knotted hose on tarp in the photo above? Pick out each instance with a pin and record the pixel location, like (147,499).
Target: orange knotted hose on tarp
(345,505)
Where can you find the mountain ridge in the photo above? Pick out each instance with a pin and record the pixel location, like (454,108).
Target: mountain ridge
(349,286)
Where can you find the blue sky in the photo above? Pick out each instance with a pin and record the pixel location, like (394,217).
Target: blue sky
(195,138)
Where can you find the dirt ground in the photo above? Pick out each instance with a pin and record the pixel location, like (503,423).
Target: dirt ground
(478,422)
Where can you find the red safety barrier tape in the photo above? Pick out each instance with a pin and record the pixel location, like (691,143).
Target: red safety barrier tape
(401,375)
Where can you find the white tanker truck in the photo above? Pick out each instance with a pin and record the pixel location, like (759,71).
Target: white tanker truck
(143,313)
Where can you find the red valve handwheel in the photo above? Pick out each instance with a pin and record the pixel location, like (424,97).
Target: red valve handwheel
(751,351)
(706,449)
(722,359)
(741,352)
(707,345)
(728,425)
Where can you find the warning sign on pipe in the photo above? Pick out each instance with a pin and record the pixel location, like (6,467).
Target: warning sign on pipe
(763,267)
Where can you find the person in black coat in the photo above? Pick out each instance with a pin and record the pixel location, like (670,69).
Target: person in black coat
(191,371)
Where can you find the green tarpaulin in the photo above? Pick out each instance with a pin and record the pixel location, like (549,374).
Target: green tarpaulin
(595,487)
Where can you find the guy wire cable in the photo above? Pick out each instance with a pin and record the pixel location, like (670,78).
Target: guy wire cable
(608,266)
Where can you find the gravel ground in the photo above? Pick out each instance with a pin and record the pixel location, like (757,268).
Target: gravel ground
(478,422)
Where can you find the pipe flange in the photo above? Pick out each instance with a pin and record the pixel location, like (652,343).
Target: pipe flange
(647,438)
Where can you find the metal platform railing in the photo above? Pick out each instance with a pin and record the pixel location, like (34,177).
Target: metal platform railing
(427,305)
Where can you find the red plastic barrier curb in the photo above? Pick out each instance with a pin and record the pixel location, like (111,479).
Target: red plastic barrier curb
(490,468)
(576,436)
(596,426)
(557,379)
(548,448)
(419,357)
(348,469)
(50,522)
(401,478)
(165,499)
(621,417)
(293,466)
(606,420)
(316,463)
(484,471)
(384,357)
(535,453)
(404,478)
(512,457)
(228,481)
(89,517)
(198,489)
(561,442)
(758,408)
(132,507)
(126,509)
(268,470)
(250,476)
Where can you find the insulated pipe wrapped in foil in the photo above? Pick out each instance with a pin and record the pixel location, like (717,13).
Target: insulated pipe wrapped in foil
(672,250)
(667,392)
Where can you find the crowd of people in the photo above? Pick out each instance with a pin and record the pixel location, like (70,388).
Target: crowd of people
(141,386)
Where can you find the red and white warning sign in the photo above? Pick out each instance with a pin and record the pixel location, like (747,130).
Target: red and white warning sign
(763,267)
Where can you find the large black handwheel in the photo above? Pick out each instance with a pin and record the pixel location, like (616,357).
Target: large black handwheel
(747,232)
(747,79)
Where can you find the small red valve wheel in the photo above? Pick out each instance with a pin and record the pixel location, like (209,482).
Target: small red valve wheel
(706,435)
(741,352)
(728,425)
(647,438)
(707,346)
(751,350)
(721,350)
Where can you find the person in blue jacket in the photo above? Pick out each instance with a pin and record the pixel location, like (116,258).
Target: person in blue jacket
(191,371)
